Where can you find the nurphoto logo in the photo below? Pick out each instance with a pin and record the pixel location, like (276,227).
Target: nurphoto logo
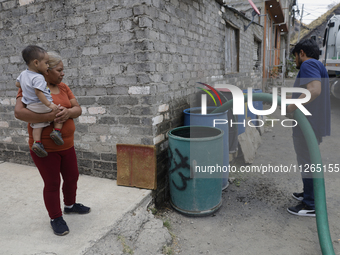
(239,109)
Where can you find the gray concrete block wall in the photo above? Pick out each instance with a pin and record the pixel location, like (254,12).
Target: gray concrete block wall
(188,37)
(132,65)
(104,67)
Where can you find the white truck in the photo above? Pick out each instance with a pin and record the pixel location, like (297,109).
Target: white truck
(330,54)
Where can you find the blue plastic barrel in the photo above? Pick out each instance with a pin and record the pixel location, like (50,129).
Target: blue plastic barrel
(191,150)
(235,129)
(193,117)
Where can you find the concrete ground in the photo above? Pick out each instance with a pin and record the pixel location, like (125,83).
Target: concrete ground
(24,222)
(253,218)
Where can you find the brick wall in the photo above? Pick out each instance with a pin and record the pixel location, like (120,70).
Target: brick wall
(133,66)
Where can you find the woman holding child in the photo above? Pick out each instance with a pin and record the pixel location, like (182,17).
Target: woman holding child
(61,159)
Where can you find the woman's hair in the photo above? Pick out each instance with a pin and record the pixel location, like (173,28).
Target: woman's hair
(54,59)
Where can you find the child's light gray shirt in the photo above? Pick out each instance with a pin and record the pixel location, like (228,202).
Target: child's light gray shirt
(29,81)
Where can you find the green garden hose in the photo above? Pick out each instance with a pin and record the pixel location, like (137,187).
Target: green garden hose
(325,240)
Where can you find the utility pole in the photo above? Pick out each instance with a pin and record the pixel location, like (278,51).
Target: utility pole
(300,23)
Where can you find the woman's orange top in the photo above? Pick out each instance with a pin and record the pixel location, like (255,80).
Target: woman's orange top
(63,98)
